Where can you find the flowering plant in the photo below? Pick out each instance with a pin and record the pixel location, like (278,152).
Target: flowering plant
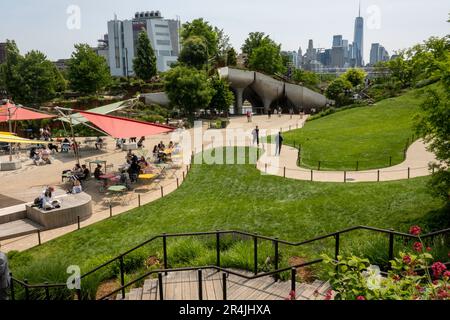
(409,278)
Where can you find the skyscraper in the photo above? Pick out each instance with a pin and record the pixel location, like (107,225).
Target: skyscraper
(358,41)
(378,53)
(337,41)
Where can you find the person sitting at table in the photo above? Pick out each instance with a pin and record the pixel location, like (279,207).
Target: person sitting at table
(77,170)
(86,173)
(66,140)
(98,172)
(37,160)
(99,143)
(133,140)
(134,171)
(140,143)
(32,153)
(45,155)
(125,178)
(77,188)
(142,163)
(53,147)
(155,151)
(171,145)
(161,146)
(118,143)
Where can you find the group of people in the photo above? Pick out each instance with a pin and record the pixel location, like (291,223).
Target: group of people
(278,140)
(45,134)
(41,156)
(46,201)
(120,142)
(160,149)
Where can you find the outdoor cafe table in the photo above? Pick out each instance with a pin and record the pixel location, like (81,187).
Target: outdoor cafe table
(147,176)
(117,192)
(97,162)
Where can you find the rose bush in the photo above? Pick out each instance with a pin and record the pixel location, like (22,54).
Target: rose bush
(410,278)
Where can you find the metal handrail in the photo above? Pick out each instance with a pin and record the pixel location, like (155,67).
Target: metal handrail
(256,237)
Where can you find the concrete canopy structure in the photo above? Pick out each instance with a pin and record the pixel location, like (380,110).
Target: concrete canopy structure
(261,90)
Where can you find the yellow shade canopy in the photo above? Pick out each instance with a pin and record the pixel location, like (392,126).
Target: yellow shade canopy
(8,138)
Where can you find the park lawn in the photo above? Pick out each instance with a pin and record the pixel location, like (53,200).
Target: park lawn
(238,197)
(369,135)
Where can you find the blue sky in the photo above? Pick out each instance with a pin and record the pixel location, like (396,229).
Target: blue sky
(395,24)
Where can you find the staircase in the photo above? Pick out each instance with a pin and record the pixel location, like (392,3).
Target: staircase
(184,286)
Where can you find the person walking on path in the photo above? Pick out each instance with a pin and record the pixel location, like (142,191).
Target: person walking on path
(5,279)
(279,143)
(255,134)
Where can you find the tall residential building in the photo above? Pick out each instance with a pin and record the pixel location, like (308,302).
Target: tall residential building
(337,57)
(358,41)
(123,36)
(299,58)
(378,53)
(2,52)
(311,52)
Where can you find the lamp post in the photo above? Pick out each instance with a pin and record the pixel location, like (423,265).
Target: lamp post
(10,130)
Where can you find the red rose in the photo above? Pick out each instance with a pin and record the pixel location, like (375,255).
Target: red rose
(438,269)
(429,249)
(407,259)
(360,298)
(415,230)
(447,274)
(418,247)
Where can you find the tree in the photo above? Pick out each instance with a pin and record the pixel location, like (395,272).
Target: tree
(194,53)
(433,126)
(223,46)
(223,98)
(254,40)
(339,90)
(231,57)
(306,78)
(32,78)
(144,64)
(204,30)
(88,73)
(188,89)
(355,76)
(267,58)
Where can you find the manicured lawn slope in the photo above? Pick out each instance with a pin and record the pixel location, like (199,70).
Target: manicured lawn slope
(239,197)
(369,135)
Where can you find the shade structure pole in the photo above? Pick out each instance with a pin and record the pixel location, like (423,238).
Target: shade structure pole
(10,130)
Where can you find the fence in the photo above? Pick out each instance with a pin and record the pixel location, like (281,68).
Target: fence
(217,235)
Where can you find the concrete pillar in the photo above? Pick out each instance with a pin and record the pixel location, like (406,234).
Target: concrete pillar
(267,102)
(239,100)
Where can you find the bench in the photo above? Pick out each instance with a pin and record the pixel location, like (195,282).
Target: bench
(72,207)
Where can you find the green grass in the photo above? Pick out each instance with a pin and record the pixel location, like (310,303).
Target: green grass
(370,135)
(236,197)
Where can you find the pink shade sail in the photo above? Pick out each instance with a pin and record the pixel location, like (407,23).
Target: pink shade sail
(118,127)
(12,112)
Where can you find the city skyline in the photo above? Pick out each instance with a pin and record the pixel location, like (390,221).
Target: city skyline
(396,24)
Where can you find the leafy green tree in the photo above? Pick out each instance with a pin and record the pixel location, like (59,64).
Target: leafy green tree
(231,57)
(254,40)
(194,53)
(355,76)
(339,90)
(202,29)
(188,89)
(267,58)
(32,78)
(144,64)
(223,98)
(88,73)
(307,78)
(223,46)
(434,127)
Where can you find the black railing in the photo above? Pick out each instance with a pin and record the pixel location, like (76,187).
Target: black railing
(256,238)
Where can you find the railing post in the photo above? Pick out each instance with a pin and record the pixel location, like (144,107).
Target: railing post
(345,176)
(139,200)
(39,236)
(319,165)
(122,277)
(391,246)
(110,211)
(255,254)
(160,285)
(409,172)
(293,276)
(284,172)
(390,161)
(275,244)
(218,248)
(178,183)
(224,286)
(47,293)
(183,176)
(312,175)
(78,221)
(357,165)
(165,251)
(11,288)
(378,176)
(162,192)
(265,166)
(200,285)
(336,247)
(27,290)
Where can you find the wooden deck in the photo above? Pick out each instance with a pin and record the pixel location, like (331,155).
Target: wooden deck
(184,286)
